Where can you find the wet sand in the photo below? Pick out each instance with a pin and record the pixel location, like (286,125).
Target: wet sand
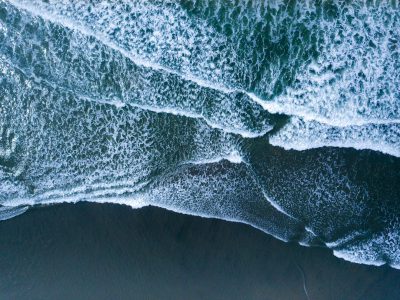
(97,251)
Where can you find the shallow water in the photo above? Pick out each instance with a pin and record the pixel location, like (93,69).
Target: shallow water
(283,115)
(93,251)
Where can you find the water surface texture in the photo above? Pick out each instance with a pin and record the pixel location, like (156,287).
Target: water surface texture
(284,115)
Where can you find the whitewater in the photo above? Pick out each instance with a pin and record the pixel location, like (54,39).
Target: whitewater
(283,116)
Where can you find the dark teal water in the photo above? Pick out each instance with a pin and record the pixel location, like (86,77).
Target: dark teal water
(93,251)
(284,115)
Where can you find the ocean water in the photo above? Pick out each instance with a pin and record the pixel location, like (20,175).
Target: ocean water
(108,251)
(284,115)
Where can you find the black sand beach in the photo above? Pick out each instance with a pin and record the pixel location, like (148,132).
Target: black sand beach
(92,251)
(284,115)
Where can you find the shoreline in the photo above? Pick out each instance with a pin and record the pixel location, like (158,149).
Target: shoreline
(103,251)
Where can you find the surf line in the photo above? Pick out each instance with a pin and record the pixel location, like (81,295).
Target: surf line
(270,106)
(156,109)
(101,38)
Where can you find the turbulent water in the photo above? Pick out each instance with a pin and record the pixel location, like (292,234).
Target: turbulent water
(283,115)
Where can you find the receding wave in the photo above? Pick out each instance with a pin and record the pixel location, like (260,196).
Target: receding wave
(281,115)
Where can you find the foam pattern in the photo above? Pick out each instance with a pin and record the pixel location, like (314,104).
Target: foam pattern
(301,135)
(283,115)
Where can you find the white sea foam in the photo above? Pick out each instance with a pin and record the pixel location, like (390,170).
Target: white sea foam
(303,113)
(346,255)
(233,157)
(302,135)
(222,190)
(341,241)
(321,94)
(177,112)
(374,249)
(220,117)
(53,15)
(140,141)
(11,212)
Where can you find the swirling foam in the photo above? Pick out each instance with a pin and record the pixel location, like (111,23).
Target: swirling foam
(172,104)
(347,78)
